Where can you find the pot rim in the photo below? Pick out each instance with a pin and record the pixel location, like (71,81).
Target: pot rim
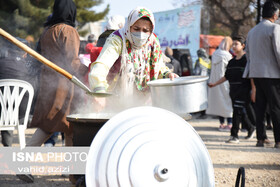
(178,81)
(89,117)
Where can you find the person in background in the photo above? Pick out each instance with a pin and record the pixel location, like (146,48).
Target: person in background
(202,67)
(175,63)
(263,66)
(92,39)
(219,102)
(56,92)
(84,52)
(166,61)
(60,44)
(184,57)
(139,54)
(203,63)
(53,139)
(91,42)
(14,64)
(268,120)
(82,49)
(115,22)
(240,89)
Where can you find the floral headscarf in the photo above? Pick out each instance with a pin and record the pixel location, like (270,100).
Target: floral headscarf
(134,16)
(140,64)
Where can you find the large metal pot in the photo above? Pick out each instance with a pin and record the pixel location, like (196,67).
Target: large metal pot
(183,95)
(86,126)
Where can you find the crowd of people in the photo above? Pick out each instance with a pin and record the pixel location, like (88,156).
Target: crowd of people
(253,75)
(244,74)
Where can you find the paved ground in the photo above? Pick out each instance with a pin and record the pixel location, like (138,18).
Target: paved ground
(262,165)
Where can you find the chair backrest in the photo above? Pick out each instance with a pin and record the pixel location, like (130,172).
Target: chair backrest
(12,92)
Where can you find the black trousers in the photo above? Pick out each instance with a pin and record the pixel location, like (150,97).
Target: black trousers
(267,92)
(240,115)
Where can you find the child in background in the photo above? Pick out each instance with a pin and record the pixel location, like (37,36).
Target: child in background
(239,89)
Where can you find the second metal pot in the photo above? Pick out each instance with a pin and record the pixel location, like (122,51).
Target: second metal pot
(182,96)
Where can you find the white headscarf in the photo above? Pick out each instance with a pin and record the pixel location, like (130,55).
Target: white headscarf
(226,43)
(115,22)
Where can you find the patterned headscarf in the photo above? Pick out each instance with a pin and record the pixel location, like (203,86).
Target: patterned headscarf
(134,16)
(140,64)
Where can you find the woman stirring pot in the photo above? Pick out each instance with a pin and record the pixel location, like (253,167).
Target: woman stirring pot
(137,51)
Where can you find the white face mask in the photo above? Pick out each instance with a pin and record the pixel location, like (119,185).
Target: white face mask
(139,38)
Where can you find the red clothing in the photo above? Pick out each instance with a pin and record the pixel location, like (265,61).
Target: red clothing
(88,47)
(94,52)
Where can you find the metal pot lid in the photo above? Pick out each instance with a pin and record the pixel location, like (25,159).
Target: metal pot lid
(178,81)
(148,146)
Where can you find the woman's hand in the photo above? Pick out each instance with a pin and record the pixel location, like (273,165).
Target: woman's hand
(172,76)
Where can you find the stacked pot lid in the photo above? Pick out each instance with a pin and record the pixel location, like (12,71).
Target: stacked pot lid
(148,146)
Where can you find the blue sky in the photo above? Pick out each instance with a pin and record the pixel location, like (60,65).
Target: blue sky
(123,7)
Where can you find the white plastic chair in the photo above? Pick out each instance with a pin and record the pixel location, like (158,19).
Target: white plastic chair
(11,95)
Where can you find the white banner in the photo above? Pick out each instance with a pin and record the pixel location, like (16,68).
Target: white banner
(179,28)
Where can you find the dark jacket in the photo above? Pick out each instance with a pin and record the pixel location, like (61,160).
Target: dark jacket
(176,64)
(102,38)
